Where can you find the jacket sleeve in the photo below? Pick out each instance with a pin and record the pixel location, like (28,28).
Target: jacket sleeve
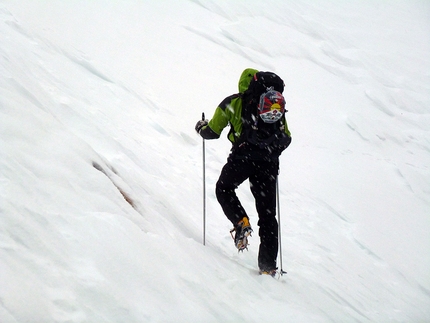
(287,139)
(287,131)
(284,141)
(208,133)
(218,122)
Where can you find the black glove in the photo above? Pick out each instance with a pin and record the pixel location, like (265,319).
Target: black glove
(200,124)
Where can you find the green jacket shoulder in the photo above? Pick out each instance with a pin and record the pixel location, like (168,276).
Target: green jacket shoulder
(229,111)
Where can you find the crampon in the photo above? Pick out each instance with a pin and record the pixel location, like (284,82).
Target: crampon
(242,232)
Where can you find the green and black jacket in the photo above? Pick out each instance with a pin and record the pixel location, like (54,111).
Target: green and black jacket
(229,112)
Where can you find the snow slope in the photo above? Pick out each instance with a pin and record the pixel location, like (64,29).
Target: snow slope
(101,169)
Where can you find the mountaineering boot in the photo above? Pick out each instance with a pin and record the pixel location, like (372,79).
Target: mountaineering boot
(243,231)
(271,272)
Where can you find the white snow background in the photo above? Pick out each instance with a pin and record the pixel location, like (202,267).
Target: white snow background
(101,169)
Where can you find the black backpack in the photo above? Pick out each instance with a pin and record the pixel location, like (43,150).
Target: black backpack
(263,81)
(257,135)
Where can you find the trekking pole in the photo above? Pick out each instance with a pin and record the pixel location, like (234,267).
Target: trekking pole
(278,202)
(204,188)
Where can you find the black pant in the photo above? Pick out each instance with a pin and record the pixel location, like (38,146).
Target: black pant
(262,178)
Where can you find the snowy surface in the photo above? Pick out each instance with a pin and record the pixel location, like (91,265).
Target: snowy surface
(101,169)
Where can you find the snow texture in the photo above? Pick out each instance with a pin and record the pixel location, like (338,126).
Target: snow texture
(101,169)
